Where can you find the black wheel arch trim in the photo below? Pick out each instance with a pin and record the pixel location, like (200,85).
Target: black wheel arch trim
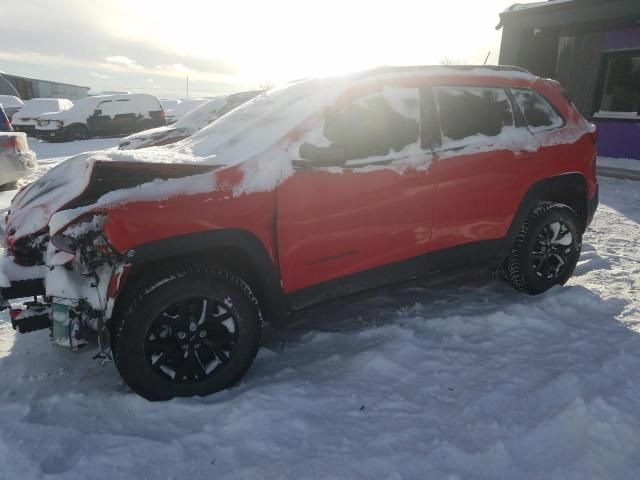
(545,190)
(273,302)
(66,128)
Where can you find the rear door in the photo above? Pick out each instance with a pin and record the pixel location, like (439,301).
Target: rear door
(100,121)
(484,165)
(373,211)
(124,113)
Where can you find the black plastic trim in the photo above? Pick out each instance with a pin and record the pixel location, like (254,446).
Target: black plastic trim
(541,190)
(443,261)
(23,288)
(273,301)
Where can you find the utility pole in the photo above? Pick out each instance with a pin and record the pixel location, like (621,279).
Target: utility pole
(187,87)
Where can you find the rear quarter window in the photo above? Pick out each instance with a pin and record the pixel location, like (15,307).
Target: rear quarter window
(472,113)
(538,112)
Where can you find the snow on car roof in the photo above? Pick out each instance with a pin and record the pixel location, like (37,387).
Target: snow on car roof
(37,106)
(10,101)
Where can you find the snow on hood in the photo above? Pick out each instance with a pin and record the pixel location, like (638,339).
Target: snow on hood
(147,134)
(33,206)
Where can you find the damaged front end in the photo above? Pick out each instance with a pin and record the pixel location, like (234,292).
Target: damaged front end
(67,266)
(84,277)
(80,277)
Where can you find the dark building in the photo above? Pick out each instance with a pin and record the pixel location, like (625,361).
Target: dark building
(593,48)
(29,88)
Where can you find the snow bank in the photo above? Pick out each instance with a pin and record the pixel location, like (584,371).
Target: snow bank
(465,381)
(621,163)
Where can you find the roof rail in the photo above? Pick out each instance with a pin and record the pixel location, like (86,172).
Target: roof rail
(391,69)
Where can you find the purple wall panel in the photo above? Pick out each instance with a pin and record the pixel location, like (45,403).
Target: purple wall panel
(622,39)
(618,139)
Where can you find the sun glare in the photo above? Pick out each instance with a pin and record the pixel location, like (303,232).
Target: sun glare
(282,40)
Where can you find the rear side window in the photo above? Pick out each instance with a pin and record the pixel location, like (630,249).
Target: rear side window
(118,107)
(467,112)
(379,124)
(537,111)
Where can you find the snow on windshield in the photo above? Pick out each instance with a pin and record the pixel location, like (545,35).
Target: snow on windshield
(197,118)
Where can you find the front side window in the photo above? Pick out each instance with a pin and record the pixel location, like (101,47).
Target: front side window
(621,92)
(537,111)
(381,124)
(471,113)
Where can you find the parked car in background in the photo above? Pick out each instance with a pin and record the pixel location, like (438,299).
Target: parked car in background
(25,119)
(102,116)
(16,159)
(5,124)
(313,191)
(169,103)
(11,104)
(182,108)
(189,124)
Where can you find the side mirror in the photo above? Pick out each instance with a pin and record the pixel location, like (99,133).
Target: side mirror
(334,155)
(97,111)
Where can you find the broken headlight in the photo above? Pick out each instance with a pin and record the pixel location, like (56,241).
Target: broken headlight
(84,240)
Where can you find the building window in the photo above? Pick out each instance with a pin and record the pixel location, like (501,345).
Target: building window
(621,86)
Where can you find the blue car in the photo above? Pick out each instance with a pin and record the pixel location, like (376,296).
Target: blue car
(5,124)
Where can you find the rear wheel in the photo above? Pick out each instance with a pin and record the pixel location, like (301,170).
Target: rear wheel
(546,250)
(77,132)
(189,331)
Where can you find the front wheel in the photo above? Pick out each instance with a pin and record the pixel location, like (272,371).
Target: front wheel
(189,331)
(546,250)
(77,132)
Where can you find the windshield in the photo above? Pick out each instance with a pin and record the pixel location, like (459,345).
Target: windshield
(197,118)
(258,124)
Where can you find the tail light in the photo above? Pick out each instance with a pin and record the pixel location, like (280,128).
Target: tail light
(10,142)
(162,114)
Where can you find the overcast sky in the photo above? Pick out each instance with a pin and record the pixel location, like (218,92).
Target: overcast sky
(229,45)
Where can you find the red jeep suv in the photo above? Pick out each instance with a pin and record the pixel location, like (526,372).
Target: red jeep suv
(173,257)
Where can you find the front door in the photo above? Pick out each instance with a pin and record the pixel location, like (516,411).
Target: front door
(374,210)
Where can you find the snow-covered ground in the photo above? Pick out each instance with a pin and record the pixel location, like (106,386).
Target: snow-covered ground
(459,381)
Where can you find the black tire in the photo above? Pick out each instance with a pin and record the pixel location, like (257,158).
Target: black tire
(148,341)
(546,250)
(77,132)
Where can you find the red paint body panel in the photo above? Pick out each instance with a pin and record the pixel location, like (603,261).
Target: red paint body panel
(335,224)
(137,223)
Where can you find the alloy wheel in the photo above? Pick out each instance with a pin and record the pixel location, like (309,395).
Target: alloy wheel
(551,250)
(191,340)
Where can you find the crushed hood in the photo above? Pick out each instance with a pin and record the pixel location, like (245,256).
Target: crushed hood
(83,179)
